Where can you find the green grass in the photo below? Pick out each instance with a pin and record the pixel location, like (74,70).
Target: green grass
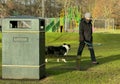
(107,50)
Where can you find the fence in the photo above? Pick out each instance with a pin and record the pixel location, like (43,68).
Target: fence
(71,25)
(103,23)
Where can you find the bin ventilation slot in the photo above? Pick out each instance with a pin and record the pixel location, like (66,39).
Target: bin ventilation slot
(20,24)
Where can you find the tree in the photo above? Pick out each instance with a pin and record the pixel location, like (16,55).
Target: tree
(2,10)
(105,10)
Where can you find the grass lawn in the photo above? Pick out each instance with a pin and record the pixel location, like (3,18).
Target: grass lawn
(107,50)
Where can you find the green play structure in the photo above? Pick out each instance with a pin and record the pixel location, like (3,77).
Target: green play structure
(73,16)
(53,25)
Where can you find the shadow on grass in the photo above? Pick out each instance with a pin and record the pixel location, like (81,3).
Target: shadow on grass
(54,68)
(61,68)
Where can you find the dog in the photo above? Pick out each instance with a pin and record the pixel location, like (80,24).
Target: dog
(61,50)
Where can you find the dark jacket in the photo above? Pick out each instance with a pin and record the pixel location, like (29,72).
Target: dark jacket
(85,30)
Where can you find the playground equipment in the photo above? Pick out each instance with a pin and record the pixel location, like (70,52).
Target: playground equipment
(66,21)
(53,25)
